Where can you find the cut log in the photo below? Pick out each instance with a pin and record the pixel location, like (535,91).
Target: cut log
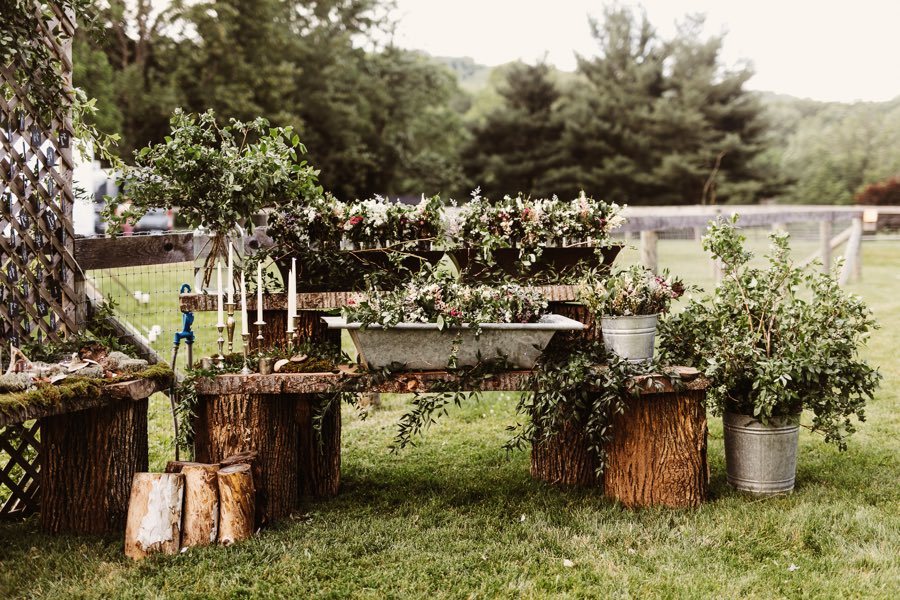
(319,457)
(241,458)
(564,459)
(88,459)
(236,508)
(200,522)
(657,456)
(231,424)
(154,515)
(177,466)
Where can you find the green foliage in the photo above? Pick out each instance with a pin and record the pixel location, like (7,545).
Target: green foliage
(34,64)
(632,291)
(776,340)
(217,177)
(577,384)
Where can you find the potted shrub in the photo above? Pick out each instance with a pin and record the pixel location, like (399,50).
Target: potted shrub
(434,322)
(628,304)
(775,340)
(217,177)
(525,237)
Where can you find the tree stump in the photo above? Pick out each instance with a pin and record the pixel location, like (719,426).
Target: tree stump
(231,424)
(154,515)
(200,520)
(236,510)
(320,463)
(564,459)
(657,456)
(88,459)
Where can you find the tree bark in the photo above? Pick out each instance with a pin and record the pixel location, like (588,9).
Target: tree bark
(564,459)
(200,521)
(657,456)
(154,515)
(320,463)
(235,423)
(88,459)
(236,512)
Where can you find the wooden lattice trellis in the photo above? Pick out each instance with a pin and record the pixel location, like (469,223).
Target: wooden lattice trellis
(39,291)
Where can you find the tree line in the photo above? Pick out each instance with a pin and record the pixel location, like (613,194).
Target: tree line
(644,120)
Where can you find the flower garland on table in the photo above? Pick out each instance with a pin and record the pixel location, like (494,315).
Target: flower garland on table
(530,224)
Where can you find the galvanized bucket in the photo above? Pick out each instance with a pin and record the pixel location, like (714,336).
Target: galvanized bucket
(632,337)
(759,458)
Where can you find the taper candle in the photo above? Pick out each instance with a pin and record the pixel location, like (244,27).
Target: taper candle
(259,293)
(230,273)
(245,322)
(220,308)
(291,294)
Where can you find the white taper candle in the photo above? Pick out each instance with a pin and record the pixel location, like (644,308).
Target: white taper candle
(221,310)
(259,293)
(245,325)
(230,273)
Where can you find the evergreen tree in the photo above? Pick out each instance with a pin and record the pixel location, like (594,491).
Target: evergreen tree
(519,142)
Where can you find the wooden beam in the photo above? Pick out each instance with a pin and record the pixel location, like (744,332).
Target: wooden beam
(331,300)
(133,250)
(853,255)
(404,383)
(649,254)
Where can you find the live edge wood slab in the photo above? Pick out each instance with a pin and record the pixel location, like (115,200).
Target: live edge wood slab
(90,450)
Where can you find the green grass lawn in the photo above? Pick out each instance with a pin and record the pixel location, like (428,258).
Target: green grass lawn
(454,517)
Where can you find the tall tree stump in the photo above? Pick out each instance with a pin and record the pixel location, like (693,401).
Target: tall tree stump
(319,458)
(229,424)
(657,456)
(564,459)
(88,459)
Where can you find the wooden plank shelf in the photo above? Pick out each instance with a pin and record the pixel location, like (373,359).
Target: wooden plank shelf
(126,391)
(410,382)
(332,300)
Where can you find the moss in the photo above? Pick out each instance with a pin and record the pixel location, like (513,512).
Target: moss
(47,395)
(312,365)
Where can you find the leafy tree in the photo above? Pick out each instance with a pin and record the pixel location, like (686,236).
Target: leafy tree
(520,141)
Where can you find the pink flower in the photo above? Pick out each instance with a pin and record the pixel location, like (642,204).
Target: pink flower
(355,220)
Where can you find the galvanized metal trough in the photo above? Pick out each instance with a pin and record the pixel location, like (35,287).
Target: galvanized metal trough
(424,347)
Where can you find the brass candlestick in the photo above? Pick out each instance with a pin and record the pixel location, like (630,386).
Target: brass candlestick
(220,360)
(246,339)
(295,336)
(229,325)
(259,336)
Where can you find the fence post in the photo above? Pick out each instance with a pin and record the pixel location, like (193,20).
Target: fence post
(649,256)
(826,231)
(852,256)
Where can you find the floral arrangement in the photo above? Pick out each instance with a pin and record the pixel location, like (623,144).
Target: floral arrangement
(529,224)
(631,292)
(307,224)
(379,223)
(437,298)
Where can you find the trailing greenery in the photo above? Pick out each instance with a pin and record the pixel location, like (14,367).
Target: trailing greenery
(631,291)
(33,64)
(578,383)
(776,340)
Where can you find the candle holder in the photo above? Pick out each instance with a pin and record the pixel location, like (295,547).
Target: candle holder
(229,325)
(245,337)
(295,335)
(220,360)
(259,336)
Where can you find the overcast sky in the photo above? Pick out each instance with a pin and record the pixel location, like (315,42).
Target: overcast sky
(842,50)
